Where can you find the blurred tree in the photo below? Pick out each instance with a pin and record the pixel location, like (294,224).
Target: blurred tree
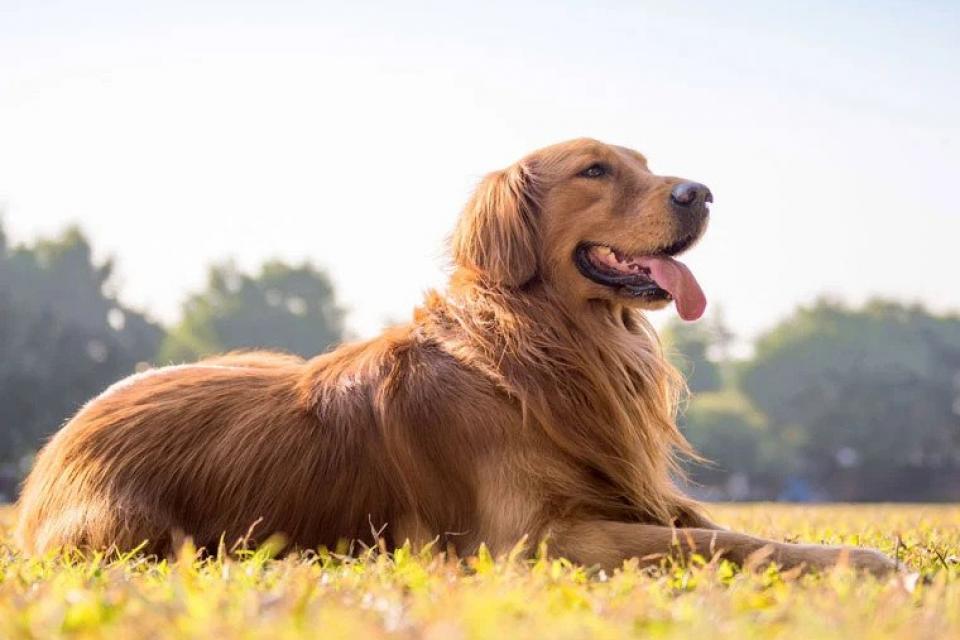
(690,346)
(284,307)
(740,450)
(63,338)
(867,396)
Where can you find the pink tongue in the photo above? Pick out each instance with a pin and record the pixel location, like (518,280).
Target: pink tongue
(676,279)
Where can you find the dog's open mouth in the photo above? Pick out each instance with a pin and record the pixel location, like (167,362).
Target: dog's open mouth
(652,277)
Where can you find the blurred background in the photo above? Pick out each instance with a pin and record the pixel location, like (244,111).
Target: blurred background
(182,178)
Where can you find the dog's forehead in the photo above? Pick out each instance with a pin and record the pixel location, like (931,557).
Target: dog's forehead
(577,148)
(586,148)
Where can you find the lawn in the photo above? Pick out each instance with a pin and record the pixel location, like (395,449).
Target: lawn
(408,596)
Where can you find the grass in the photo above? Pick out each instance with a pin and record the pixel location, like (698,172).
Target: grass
(412,596)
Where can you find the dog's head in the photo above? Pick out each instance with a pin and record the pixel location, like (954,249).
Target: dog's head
(590,221)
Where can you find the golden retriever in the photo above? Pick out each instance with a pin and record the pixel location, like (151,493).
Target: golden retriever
(530,400)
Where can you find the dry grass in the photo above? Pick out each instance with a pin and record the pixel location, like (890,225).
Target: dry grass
(408,595)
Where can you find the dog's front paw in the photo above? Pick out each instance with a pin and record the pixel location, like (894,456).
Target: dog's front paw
(818,558)
(867,560)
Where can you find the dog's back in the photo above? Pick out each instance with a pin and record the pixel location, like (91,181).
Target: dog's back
(383,432)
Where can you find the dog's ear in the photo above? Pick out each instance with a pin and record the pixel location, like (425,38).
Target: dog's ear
(496,235)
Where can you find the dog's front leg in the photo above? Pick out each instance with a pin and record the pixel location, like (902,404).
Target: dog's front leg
(608,544)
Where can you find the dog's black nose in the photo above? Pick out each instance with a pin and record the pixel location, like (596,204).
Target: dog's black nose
(688,193)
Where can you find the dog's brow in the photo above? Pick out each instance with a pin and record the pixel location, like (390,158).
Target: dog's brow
(577,158)
(636,154)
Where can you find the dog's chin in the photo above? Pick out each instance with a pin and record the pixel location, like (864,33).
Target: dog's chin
(645,303)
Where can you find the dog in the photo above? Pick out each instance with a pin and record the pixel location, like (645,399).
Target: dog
(530,400)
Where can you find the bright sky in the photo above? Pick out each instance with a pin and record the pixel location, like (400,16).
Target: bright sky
(178,133)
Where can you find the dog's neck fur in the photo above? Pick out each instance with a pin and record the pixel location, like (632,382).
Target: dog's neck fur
(596,384)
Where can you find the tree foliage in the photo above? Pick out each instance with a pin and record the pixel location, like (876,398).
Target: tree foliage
(836,402)
(869,395)
(733,437)
(689,347)
(290,308)
(63,338)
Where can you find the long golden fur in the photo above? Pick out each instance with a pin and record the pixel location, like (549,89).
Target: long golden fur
(524,401)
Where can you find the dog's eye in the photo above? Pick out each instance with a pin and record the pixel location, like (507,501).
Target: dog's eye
(596,170)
